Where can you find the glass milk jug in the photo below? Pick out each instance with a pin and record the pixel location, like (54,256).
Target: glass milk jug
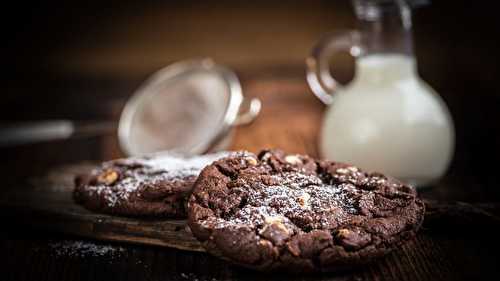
(386,119)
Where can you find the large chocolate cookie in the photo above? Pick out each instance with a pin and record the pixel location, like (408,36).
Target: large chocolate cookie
(279,211)
(155,186)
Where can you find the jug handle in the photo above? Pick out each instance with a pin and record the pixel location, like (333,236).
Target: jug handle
(319,77)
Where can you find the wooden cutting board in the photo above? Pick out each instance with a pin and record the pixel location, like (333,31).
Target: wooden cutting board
(49,205)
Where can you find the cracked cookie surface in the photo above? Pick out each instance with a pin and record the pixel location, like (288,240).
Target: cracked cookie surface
(155,186)
(277,211)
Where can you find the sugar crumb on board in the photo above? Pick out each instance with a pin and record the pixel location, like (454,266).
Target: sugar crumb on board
(84,249)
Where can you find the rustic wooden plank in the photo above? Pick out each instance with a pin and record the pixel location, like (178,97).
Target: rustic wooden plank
(49,205)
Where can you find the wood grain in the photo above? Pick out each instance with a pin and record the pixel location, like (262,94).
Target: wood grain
(290,120)
(49,205)
(290,117)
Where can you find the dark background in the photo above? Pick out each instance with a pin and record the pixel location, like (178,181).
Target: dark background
(82,59)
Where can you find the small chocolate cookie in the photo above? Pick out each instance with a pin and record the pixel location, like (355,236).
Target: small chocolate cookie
(155,186)
(279,211)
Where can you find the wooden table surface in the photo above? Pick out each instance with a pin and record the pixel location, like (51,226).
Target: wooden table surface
(83,62)
(290,120)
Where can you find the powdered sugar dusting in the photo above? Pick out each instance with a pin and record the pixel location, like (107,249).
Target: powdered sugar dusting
(147,171)
(180,166)
(293,196)
(83,249)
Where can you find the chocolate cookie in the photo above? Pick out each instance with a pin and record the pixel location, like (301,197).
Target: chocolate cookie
(155,186)
(279,211)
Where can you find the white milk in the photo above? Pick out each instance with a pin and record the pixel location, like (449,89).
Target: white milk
(388,120)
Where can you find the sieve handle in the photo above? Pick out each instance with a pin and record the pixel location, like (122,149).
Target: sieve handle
(22,133)
(249,110)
